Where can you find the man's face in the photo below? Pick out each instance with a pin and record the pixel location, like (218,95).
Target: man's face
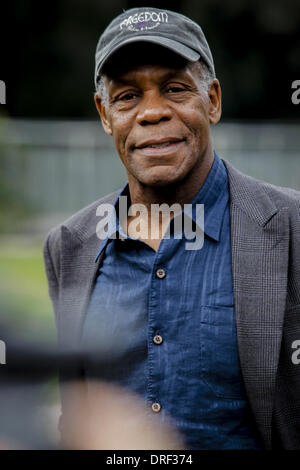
(159,116)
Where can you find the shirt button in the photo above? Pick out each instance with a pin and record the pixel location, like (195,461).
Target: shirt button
(156,407)
(160,273)
(157,339)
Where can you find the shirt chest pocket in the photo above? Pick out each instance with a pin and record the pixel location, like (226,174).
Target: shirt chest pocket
(219,359)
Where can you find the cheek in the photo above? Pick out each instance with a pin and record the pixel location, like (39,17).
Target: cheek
(119,136)
(198,124)
(196,118)
(121,128)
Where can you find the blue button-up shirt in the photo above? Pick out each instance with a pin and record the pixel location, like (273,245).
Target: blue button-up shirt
(194,372)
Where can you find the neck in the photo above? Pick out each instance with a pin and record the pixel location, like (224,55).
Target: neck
(182,192)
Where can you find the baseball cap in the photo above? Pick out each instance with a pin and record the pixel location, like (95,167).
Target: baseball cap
(165,28)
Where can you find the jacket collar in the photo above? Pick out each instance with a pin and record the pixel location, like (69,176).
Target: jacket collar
(250,196)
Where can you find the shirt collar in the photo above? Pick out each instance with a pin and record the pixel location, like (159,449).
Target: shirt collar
(213,194)
(114,229)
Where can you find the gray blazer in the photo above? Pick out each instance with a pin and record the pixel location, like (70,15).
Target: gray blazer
(265,241)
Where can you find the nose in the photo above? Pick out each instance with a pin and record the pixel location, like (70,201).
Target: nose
(153,109)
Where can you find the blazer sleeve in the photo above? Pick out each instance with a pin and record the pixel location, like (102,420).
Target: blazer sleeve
(51,253)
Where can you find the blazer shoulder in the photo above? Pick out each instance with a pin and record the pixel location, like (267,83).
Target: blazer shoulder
(284,198)
(282,195)
(79,223)
(251,193)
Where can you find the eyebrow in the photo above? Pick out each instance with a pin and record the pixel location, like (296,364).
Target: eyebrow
(123,81)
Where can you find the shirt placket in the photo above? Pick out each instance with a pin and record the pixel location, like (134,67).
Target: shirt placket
(156,329)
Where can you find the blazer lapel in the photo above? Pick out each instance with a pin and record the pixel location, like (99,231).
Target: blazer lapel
(259,239)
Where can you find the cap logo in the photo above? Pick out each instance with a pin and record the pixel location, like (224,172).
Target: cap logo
(144,21)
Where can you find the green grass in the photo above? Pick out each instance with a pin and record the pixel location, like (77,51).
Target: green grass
(24,300)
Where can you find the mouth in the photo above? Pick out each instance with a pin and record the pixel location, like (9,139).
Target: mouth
(159,147)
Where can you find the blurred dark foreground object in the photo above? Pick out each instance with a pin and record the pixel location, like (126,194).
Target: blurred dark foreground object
(100,415)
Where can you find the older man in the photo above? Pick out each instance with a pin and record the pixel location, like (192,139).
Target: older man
(208,336)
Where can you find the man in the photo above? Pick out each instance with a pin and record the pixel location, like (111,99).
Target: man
(206,336)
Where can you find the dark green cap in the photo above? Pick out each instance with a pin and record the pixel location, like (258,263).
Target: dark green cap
(163,27)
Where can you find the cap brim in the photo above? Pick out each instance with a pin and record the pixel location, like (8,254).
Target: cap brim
(170,44)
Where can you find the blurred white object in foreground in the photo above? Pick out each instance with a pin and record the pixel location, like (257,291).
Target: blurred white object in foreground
(106,417)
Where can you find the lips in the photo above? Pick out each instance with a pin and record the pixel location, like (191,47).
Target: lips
(159,143)
(155,146)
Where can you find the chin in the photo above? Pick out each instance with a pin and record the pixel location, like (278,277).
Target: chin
(160,179)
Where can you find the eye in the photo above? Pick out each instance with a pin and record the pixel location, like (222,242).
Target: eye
(175,89)
(128,96)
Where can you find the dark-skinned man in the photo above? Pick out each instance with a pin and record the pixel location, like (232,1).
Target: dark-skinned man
(205,333)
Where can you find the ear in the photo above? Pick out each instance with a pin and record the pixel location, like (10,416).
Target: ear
(103,114)
(215,97)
